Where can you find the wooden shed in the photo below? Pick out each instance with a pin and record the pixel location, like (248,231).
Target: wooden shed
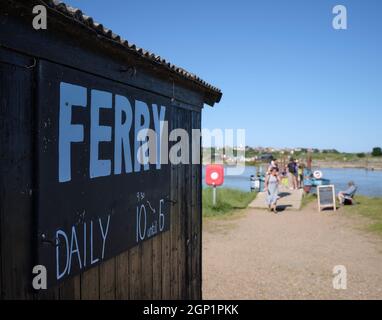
(73,197)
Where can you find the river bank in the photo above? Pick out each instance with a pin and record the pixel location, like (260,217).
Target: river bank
(231,201)
(228,201)
(369,182)
(371,210)
(370,164)
(375,165)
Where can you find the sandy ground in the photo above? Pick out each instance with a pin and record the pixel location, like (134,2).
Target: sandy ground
(260,255)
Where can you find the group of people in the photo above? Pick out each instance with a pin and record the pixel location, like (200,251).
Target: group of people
(293,171)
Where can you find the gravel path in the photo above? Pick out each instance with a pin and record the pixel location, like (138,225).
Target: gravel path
(290,256)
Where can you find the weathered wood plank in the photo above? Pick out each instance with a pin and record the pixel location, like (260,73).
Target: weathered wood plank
(16,179)
(197,219)
(157,267)
(186,194)
(107,280)
(122,276)
(147,269)
(196,235)
(193,228)
(49,294)
(166,262)
(135,273)
(174,288)
(90,284)
(71,289)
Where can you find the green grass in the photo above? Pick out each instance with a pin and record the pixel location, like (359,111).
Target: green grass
(370,208)
(308,198)
(228,201)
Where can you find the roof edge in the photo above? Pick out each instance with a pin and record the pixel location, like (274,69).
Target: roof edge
(212,94)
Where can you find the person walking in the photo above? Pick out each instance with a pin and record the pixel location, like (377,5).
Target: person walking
(272,182)
(273,164)
(300,175)
(292,174)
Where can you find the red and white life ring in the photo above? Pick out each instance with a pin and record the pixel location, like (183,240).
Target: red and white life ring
(318,174)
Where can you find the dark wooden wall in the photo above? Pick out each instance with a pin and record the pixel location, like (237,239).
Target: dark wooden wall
(16,174)
(165,267)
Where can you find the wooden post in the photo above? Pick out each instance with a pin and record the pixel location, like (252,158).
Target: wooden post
(214,196)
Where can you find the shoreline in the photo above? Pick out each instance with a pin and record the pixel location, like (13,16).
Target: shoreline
(319,165)
(376,166)
(334,165)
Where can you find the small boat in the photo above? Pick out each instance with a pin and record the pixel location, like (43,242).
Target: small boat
(311,182)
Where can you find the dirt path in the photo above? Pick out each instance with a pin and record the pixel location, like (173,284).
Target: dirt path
(289,256)
(289,199)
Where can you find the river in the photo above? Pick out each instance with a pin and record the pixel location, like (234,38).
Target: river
(369,183)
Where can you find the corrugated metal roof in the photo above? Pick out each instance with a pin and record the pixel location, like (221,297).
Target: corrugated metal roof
(80,17)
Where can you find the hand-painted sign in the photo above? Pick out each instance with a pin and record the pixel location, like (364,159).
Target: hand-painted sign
(95,198)
(326,197)
(214,175)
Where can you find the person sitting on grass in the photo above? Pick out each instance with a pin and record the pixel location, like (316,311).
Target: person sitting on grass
(272,182)
(348,194)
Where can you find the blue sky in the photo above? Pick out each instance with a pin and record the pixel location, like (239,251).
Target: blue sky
(287,76)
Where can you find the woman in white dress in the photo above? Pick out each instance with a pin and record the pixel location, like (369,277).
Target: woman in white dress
(272,182)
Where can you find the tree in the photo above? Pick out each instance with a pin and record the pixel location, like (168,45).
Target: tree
(377,152)
(361,155)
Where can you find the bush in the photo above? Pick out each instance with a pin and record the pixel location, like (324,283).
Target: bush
(361,155)
(377,152)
